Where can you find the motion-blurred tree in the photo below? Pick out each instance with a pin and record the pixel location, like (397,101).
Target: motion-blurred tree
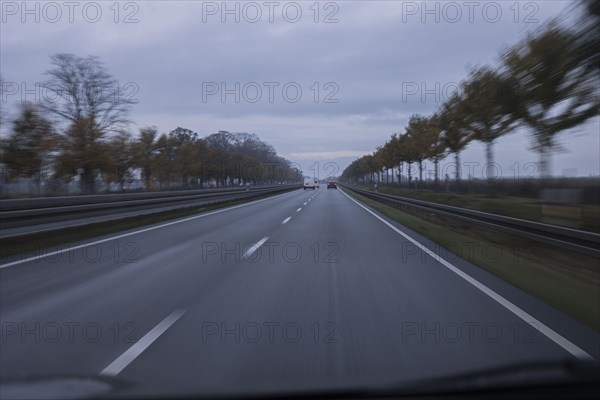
(454,134)
(384,156)
(393,153)
(422,135)
(437,147)
(165,161)
(29,148)
(407,154)
(489,108)
(83,94)
(2,103)
(555,90)
(588,33)
(144,154)
(121,158)
(83,154)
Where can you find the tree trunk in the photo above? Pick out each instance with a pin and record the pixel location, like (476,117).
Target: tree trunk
(38,180)
(489,155)
(420,174)
(400,174)
(87,183)
(544,163)
(436,172)
(409,175)
(457,161)
(147,178)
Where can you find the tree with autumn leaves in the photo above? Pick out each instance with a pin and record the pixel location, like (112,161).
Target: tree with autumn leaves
(547,83)
(90,140)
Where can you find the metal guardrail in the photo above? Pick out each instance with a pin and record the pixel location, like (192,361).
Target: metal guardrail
(29,212)
(55,201)
(572,239)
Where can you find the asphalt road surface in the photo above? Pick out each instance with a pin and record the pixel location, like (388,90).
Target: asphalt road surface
(308,289)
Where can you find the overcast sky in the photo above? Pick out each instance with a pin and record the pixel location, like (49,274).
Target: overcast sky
(323,83)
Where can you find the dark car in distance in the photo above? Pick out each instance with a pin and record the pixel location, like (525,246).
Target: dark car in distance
(331,185)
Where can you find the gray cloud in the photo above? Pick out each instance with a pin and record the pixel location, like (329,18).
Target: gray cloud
(369,58)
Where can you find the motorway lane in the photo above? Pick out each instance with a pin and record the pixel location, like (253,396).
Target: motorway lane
(112,292)
(64,270)
(332,297)
(361,295)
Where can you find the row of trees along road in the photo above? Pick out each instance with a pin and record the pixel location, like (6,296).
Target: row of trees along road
(547,83)
(80,129)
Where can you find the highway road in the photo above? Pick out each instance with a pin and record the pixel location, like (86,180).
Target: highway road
(307,289)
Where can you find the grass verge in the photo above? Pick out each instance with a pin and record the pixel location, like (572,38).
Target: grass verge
(566,280)
(510,206)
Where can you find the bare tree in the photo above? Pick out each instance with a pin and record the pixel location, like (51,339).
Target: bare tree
(81,92)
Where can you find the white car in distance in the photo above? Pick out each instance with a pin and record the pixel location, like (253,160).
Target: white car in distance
(310,183)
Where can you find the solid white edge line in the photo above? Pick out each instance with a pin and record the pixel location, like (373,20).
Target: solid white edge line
(535,323)
(255,247)
(118,365)
(285,221)
(57,252)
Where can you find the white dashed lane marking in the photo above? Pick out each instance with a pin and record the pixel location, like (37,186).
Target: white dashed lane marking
(252,249)
(138,348)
